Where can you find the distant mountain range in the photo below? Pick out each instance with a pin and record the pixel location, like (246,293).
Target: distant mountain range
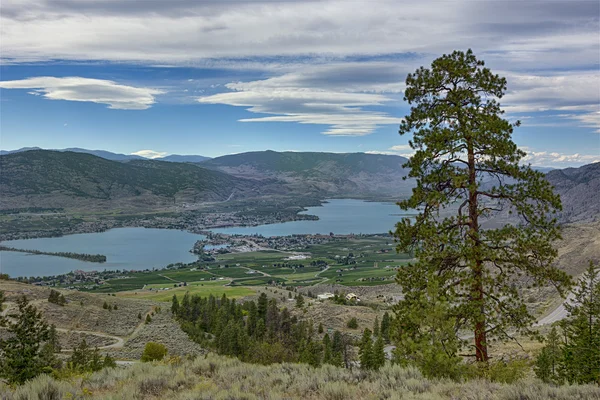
(327,174)
(44,178)
(67,178)
(116,156)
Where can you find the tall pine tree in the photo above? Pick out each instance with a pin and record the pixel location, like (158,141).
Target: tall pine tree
(461,142)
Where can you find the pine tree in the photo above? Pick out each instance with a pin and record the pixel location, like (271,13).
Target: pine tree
(460,139)
(299,301)
(550,359)
(20,358)
(148,318)
(140,315)
(105,305)
(174,305)
(378,356)
(376,326)
(582,330)
(320,330)
(385,326)
(366,350)
(327,350)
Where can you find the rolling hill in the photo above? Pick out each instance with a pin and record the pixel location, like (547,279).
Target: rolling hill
(326,174)
(55,178)
(579,189)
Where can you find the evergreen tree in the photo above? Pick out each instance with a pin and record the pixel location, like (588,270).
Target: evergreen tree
(366,350)
(20,355)
(582,330)
(320,330)
(376,326)
(327,350)
(424,333)
(385,326)
(299,301)
(105,305)
(148,318)
(174,305)
(550,359)
(262,306)
(140,315)
(378,356)
(460,139)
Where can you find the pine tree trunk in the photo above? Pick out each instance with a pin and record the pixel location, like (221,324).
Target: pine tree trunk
(481,351)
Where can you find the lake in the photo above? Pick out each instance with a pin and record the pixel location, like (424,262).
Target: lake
(340,216)
(141,248)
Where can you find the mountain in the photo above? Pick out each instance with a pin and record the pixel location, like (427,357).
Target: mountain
(115,156)
(105,154)
(68,179)
(326,174)
(100,153)
(3,152)
(183,158)
(579,189)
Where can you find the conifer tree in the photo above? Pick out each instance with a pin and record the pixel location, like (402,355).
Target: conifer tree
(20,355)
(385,326)
(378,356)
(366,350)
(461,140)
(376,326)
(550,359)
(174,305)
(582,330)
(320,329)
(299,301)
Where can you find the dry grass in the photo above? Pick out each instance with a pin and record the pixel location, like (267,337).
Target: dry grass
(216,377)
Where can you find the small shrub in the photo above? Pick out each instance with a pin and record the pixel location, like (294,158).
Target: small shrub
(352,323)
(154,352)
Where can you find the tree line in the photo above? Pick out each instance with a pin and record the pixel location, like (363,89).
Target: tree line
(258,332)
(97,258)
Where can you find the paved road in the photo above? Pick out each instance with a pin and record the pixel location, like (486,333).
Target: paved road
(558,314)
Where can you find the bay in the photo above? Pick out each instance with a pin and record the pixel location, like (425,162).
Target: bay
(142,248)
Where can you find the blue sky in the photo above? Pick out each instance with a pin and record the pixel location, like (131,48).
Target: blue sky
(214,78)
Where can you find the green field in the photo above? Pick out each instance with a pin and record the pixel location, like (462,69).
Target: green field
(362,261)
(216,288)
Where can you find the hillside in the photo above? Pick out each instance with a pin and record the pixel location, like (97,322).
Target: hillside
(328,174)
(64,179)
(579,189)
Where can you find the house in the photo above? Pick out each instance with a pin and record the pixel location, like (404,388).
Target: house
(325,296)
(352,296)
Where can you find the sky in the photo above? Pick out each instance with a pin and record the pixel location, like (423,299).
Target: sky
(217,77)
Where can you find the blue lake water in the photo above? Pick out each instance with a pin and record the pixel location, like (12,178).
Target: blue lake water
(340,216)
(124,248)
(141,248)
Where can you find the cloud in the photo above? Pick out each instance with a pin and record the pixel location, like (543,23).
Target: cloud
(187,31)
(576,95)
(333,95)
(559,160)
(403,150)
(149,153)
(117,96)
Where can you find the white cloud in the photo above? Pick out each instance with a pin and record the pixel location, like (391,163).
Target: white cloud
(333,95)
(149,153)
(75,88)
(183,31)
(559,160)
(403,150)
(576,95)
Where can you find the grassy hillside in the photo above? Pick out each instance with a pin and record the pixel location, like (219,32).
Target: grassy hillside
(215,377)
(41,174)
